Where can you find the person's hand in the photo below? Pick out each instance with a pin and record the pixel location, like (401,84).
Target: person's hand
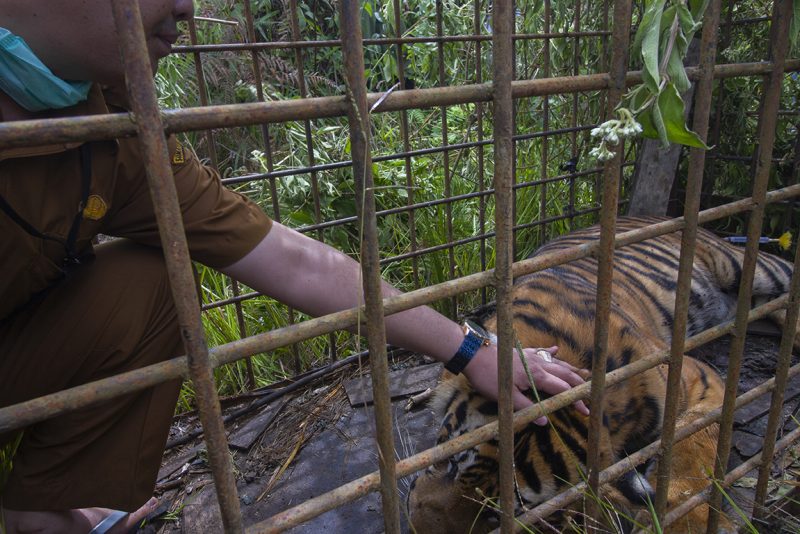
(549,374)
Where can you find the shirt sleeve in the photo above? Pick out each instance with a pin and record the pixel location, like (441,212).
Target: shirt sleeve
(221,226)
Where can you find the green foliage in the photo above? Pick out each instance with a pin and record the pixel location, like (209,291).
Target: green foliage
(662,41)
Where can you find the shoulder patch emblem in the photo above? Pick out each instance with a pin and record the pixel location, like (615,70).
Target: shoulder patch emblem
(178,156)
(95,208)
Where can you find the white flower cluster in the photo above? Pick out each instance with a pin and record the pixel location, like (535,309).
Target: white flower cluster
(610,133)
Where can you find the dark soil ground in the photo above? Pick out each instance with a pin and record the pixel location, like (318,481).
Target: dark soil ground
(313,440)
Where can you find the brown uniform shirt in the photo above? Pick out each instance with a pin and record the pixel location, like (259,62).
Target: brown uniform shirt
(43,185)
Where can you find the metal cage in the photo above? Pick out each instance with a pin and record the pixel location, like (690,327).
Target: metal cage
(560,97)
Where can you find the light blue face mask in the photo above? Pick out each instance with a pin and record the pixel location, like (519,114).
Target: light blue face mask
(29,82)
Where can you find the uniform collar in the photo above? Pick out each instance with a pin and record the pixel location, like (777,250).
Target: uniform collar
(95,104)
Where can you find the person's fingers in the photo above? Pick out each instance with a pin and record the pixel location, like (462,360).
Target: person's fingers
(520,400)
(564,373)
(567,365)
(554,384)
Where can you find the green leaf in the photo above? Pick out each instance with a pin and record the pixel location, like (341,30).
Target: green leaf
(659,123)
(647,37)
(689,24)
(698,8)
(794,26)
(301,217)
(648,128)
(677,72)
(671,108)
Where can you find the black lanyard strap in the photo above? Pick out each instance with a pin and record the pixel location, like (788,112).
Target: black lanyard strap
(71,258)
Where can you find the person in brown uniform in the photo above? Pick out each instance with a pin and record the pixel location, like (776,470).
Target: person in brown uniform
(71,313)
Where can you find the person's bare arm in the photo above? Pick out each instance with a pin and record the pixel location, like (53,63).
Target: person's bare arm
(317,279)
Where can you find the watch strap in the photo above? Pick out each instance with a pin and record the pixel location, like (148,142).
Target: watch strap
(472,342)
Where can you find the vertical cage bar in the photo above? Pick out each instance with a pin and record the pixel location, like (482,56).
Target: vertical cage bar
(604,67)
(448,186)
(264,127)
(573,163)
(401,78)
(611,180)
(240,321)
(781,378)
(502,52)
(697,158)
(779,41)
(514,107)
(142,93)
(265,138)
(545,126)
(302,88)
(350,21)
(792,177)
(479,138)
(714,135)
(202,90)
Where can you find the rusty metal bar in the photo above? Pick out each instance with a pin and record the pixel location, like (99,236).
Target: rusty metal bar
(94,128)
(781,379)
(779,43)
(608,215)
(301,87)
(240,322)
(448,190)
(265,139)
(202,89)
(564,499)
(545,159)
(731,477)
(382,41)
(401,78)
(412,464)
(708,48)
(350,23)
(576,26)
(476,25)
(35,410)
(264,127)
(361,486)
(398,155)
(716,128)
(502,52)
(141,90)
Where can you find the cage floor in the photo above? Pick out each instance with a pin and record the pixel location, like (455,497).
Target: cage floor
(319,441)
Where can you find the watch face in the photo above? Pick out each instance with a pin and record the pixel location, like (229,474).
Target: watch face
(477,329)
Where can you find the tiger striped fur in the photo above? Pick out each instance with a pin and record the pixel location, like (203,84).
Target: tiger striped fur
(556,306)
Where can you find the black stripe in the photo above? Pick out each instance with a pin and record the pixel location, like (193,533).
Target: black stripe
(525,466)
(542,325)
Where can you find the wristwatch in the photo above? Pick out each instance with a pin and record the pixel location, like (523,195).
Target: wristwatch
(475,337)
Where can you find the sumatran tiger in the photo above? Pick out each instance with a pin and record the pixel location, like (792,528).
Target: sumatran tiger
(556,306)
